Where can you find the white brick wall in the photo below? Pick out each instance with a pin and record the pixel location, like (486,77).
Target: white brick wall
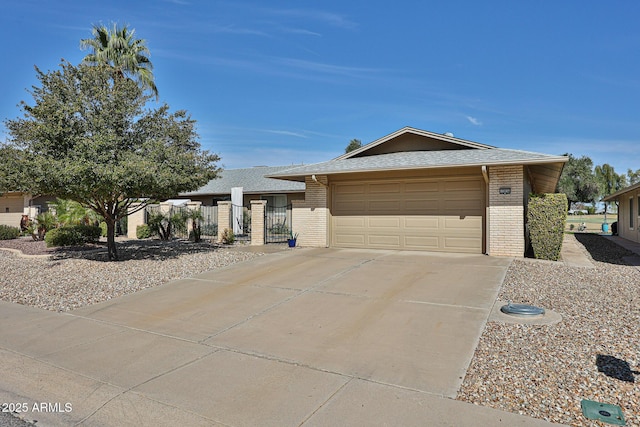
(506,211)
(310,216)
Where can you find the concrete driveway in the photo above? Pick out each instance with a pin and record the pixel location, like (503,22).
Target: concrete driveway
(304,337)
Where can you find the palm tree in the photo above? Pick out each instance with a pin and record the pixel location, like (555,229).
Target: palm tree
(118,48)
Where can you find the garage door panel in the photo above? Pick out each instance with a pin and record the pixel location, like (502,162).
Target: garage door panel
(417,223)
(462,244)
(346,222)
(422,186)
(392,222)
(423,206)
(467,223)
(422,242)
(385,241)
(435,214)
(350,240)
(353,206)
(350,189)
(381,188)
(457,185)
(384,207)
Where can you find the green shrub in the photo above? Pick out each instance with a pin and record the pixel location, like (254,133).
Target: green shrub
(143,232)
(63,236)
(73,235)
(90,233)
(227,236)
(7,232)
(546,217)
(103,229)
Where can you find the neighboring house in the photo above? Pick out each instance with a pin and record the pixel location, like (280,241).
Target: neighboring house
(254,184)
(14,204)
(628,211)
(418,190)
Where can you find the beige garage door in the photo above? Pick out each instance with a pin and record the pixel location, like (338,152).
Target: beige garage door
(435,214)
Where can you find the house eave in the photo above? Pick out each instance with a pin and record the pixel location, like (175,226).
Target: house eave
(301,177)
(617,194)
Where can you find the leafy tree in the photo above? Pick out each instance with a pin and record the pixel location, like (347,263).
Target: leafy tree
(634,177)
(578,181)
(88,138)
(10,170)
(609,181)
(117,47)
(354,144)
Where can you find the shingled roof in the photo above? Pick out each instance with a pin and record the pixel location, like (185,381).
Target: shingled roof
(418,160)
(410,148)
(252,180)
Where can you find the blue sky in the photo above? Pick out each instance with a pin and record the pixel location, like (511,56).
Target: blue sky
(284,82)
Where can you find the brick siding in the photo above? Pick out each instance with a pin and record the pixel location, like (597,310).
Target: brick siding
(506,211)
(310,216)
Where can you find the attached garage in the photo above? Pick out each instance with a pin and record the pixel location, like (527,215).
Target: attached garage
(434,214)
(418,190)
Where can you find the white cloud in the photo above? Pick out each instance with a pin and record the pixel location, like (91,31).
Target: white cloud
(285,132)
(474,121)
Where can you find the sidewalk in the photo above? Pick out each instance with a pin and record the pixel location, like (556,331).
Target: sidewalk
(573,253)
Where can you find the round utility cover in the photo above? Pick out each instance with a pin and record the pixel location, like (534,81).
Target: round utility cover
(522,310)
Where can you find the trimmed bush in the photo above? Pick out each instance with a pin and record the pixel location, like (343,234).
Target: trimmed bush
(8,232)
(90,233)
(546,217)
(74,235)
(143,232)
(63,236)
(103,229)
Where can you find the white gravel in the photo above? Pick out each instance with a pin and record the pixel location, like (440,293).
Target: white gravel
(594,353)
(66,281)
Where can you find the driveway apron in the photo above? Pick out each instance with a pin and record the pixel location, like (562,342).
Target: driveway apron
(298,337)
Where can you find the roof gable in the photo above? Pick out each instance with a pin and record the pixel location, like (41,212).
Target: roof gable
(410,139)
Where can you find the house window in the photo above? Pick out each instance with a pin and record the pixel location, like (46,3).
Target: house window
(631,213)
(6,210)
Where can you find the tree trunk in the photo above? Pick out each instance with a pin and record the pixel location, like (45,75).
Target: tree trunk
(111,239)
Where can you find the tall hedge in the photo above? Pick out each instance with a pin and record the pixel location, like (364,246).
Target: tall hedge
(546,217)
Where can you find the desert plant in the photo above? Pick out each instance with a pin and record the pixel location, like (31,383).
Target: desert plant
(546,216)
(43,223)
(195,216)
(7,232)
(227,236)
(165,224)
(143,232)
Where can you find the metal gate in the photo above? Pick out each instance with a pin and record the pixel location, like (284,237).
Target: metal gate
(277,223)
(241,222)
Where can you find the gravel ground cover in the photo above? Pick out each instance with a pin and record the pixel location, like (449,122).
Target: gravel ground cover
(594,353)
(69,278)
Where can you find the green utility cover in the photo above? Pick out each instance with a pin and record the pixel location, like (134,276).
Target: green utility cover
(604,412)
